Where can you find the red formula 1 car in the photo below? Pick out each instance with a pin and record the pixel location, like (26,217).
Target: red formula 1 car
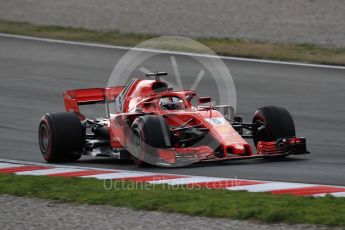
(152,124)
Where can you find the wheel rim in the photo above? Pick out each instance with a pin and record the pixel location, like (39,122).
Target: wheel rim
(259,135)
(137,145)
(44,138)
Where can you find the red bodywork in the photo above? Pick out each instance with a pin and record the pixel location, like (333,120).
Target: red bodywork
(140,97)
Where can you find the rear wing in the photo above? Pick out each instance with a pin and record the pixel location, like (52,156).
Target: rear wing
(74,98)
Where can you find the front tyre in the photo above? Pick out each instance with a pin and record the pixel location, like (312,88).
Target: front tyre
(61,137)
(147,134)
(272,123)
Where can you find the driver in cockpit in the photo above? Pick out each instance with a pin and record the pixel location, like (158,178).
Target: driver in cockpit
(170,103)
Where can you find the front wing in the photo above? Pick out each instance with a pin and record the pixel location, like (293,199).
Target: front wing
(265,149)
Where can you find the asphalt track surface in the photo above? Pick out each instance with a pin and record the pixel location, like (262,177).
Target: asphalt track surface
(33,75)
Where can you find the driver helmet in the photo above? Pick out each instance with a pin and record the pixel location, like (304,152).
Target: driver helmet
(169,103)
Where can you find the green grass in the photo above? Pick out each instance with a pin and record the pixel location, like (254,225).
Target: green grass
(201,202)
(226,46)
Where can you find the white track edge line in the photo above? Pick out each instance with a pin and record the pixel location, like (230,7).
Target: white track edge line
(107,169)
(98,45)
(121,170)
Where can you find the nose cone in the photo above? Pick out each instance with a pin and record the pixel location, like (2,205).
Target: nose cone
(238,149)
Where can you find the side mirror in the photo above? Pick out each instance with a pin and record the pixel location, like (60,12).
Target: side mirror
(227,111)
(203,100)
(190,96)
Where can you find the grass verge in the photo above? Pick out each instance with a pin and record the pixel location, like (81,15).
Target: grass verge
(201,202)
(232,47)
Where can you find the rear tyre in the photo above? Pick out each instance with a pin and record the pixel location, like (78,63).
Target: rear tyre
(272,123)
(147,134)
(61,137)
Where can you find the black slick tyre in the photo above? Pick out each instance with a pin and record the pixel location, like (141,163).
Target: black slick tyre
(272,123)
(61,137)
(147,134)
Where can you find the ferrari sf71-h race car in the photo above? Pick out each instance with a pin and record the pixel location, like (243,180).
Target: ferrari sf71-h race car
(151,123)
